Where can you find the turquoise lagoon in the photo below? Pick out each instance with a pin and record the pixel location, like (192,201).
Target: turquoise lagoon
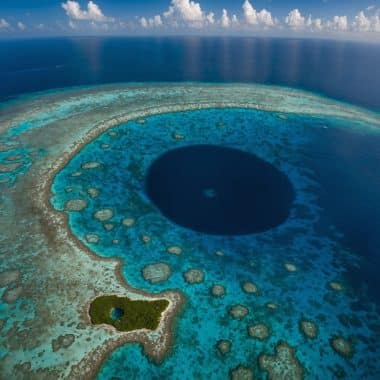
(310,151)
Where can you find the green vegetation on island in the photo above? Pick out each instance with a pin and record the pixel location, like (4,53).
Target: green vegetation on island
(125,314)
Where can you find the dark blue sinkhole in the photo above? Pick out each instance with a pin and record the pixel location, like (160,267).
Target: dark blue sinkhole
(116,313)
(218,190)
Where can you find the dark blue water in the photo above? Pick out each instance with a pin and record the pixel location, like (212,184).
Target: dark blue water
(116,313)
(219,190)
(343,70)
(346,164)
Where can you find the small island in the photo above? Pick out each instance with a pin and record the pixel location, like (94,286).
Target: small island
(125,314)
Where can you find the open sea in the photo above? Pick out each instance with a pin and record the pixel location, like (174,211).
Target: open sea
(314,200)
(344,70)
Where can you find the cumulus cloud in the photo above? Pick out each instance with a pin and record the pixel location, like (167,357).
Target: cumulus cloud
(314,24)
(253,17)
(21,25)
(188,13)
(151,22)
(4,24)
(363,23)
(210,18)
(340,23)
(184,14)
(93,12)
(225,20)
(295,20)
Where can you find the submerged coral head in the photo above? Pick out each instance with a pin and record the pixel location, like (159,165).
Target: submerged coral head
(219,190)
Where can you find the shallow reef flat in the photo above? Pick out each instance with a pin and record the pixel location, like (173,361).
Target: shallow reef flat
(54,264)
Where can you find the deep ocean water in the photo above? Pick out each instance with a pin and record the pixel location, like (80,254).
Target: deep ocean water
(219,190)
(293,270)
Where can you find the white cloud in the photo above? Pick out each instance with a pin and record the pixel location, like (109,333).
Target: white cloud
(186,10)
(144,22)
(340,23)
(151,22)
(295,20)
(3,24)
(314,24)
(363,23)
(253,17)
(375,23)
(157,21)
(317,23)
(225,20)
(211,18)
(21,25)
(93,12)
(183,14)
(187,13)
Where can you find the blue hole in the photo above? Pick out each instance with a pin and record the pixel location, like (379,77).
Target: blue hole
(219,191)
(116,313)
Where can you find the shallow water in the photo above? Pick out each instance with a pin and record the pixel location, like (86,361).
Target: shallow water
(328,170)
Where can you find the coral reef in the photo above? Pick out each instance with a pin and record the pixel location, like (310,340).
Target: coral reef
(75,205)
(258,331)
(93,193)
(174,250)
(309,329)
(63,341)
(59,274)
(108,226)
(250,288)
(194,276)
(238,311)
(224,346)
(241,373)
(128,222)
(92,238)
(178,136)
(145,239)
(218,290)
(7,168)
(91,165)
(284,365)
(103,214)
(342,346)
(11,295)
(290,267)
(155,273)
(336,286)
(9,277)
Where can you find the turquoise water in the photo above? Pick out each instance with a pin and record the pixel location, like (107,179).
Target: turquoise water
(309,239)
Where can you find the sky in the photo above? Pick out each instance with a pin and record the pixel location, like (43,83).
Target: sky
(351,19)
